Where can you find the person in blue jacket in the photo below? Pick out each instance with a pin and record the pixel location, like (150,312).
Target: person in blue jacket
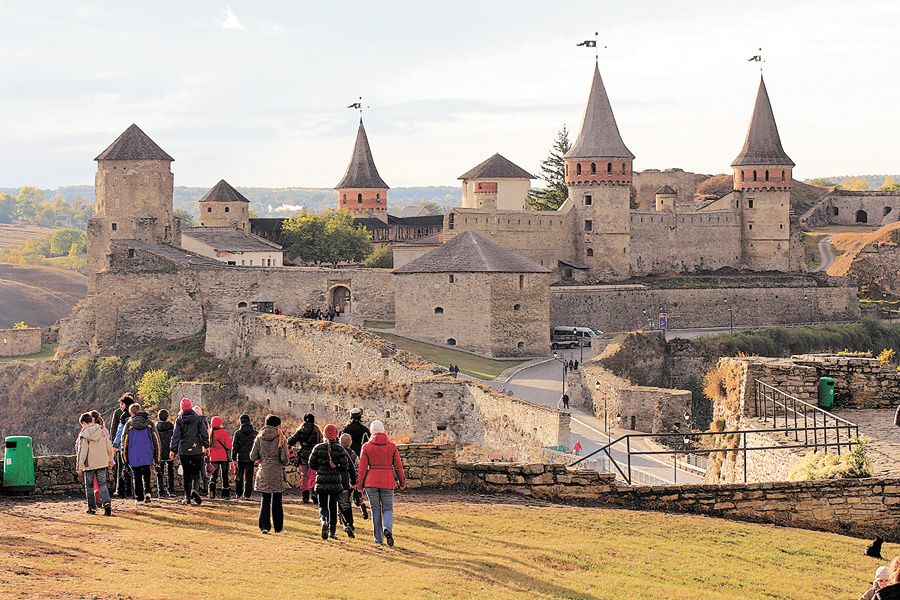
(140,450)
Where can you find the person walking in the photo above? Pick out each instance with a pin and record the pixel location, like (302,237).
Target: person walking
(270,448)
(330,462)
(94,457)
(165,468)
(359,433)
(240,453)
(121,474)
(308,436)
(349,493)
(188,441)
(379,463)
(219,456)
(140,450)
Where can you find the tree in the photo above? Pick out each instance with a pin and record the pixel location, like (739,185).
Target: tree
(187,219)
(855,184)
(383,258)
(329,237)
(553,172)
(37,246)
(63,240)
(7,208)
(822,182)
(155,387)
(28,203)
(889,185)
(434,207)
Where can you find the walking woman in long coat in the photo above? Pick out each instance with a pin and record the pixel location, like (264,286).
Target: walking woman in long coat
(270,448)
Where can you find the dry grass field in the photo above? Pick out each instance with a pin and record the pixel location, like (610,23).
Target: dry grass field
(15,235)
(449,545)
(39,296)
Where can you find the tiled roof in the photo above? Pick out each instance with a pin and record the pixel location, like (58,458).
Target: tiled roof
(497,167)
(665,190)
(267,224)
(371,223)
(172,253)
(427,221)
(223,192)
(223,239)
(471,253)
(763,145)
(134,144)
(361,172)
(599,136)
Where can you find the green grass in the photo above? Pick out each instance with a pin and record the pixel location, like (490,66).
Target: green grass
(835,229)
(379,324)
(447,547)
(811,249)
(470,364)
(46,353)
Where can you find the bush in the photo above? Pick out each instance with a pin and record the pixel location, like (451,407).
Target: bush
(822,465)
(383,258)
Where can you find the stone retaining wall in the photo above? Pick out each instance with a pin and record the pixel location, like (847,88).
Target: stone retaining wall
(55,474)
(20,342)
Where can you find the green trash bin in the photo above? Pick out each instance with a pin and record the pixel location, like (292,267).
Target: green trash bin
(826,392)
(18,465)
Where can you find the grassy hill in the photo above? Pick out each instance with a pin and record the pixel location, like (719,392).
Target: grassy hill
(40,296)
(15,235)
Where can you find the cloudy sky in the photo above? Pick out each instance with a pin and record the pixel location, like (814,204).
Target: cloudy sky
(256,92)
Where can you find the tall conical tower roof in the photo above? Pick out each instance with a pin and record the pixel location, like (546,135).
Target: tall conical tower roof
(599,135)
(223,192)
(762,146)
(361,173)
(134,144)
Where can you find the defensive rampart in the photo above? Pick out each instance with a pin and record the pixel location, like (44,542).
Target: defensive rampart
(20,342)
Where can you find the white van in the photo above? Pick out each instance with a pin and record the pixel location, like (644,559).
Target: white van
(572,337)
(585,335)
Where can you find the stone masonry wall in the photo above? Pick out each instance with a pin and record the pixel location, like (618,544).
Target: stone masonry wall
(620,307)
(55,474)
(20,342)
(663,242)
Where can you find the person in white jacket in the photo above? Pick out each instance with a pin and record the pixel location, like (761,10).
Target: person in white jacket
(95,456)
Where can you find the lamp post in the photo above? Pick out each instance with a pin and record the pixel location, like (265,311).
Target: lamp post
(808,310)
(580,345)
(556,356)
(605,414)
(687,420)
(730,312)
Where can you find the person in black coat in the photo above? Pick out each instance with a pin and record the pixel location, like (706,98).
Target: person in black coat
(308,435)
(165,467)
(189,439)
(242,443)
(331,463)
(359,433)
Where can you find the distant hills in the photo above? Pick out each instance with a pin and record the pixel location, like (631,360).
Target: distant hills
(40,296)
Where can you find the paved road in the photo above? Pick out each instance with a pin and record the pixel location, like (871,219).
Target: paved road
(542,384)
(826,254)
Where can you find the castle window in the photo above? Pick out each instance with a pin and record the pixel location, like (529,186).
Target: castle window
(609,168)
(517,307)
(751,227)
(578,169)
(624,169)
(520,345)
(359,198)
(567,169)
(593,168)
(767,174)
(749,203)
(378,196)
(130,253)
(590,251)
(521,281)
(742,175)
(754,175)
(452,279)
(451,342)
(438,310)
(226,209)
(588,225)
(887,210)
(345,198)
(782,176)
(209,209)
(439,395)
(114,227)
(242,305)
(588,200)
(835,211)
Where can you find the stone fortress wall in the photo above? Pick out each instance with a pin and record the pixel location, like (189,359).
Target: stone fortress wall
(20,342)
(663,242)
(845,207)
(648,181)
(328,368)
(755,301)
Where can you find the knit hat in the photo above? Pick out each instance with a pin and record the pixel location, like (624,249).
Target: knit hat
(185,404)
(273,421)
(346,440)
(245,418)
(882,573)
(356,413)
(309,418)
(330,432)
(216,422)
(376,427)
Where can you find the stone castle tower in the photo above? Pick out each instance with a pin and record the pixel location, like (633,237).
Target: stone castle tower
(599,176)
(762,182)
(224,206)
(362,190)
(134,187)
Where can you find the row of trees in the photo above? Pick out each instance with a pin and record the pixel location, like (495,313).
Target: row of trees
(31,205)
(325,238)
(856,184)
(65,249)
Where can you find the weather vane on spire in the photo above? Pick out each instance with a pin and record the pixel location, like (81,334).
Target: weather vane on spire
(592,44)
(358,106)
(757,58)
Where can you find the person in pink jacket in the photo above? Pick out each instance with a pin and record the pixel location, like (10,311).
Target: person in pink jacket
(219,453)
(378,464)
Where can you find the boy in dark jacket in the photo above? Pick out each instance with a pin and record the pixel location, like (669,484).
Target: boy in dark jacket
(189,439)
(330,462)
(345,504)
(165,468)
(242,443)
(308,436)
(359,433)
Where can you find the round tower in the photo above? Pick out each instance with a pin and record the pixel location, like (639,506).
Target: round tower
(598,171)
(762,184)
(362,190)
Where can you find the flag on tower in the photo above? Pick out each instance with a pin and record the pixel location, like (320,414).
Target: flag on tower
(588,44)
(756,58)
(355,105)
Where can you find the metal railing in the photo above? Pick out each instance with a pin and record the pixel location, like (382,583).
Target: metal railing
(794,416)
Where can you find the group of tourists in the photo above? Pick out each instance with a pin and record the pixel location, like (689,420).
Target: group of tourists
(322,315)
(336,466)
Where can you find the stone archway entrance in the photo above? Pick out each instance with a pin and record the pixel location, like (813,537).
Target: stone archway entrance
(339,298)
(862,217)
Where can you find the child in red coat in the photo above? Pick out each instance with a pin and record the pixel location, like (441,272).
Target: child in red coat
(219,453)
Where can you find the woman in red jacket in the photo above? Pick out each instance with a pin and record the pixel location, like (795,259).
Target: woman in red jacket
(219,453)
(378,464)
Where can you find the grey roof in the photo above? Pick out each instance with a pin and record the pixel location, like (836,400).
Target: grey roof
(574,264)
(599,136)
(134,144)
(497,167)
(223,192)
(762,146)
(224,239)
(361,172)
(424,221)
(371,223)
(178,255)
(471,253)
(414,211)
(666,190)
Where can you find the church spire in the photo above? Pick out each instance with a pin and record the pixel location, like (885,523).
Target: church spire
(361,172)
(763,145)
(599,136)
